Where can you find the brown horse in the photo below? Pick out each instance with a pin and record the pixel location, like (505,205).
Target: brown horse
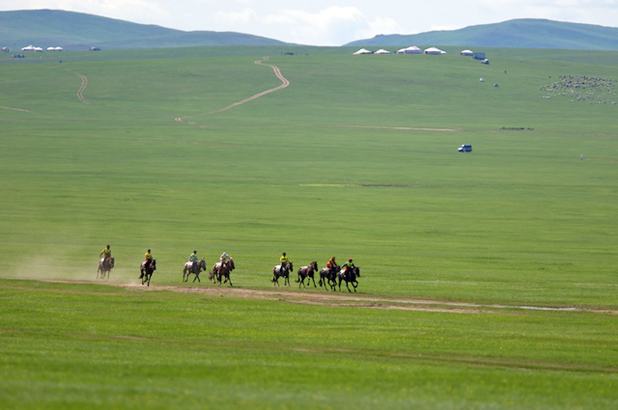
(282,272)
(220,271)
(105,266)
(146,272)
(189,269)
(306,272)
(328,277)
(349,277)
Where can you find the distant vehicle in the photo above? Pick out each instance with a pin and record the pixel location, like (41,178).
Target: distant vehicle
(18,56)
(95,48)
(465,148)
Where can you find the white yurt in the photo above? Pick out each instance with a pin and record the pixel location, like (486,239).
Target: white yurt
(467,53)
(410,50)
(382,51)
(362,51)
(434,51)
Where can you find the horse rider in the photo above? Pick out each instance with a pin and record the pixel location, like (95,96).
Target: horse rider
(193,259)
(284,261)
(148,259)
(224,258)
(347,266)
(106,253)
(331,263)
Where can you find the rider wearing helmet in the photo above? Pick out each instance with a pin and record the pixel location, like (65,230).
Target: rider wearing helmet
(348,265)
(148,259)
(106,253)
(193,260)
(224,258)
(331,264)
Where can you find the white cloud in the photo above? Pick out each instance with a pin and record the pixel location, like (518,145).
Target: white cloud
(331,26)
(236,17)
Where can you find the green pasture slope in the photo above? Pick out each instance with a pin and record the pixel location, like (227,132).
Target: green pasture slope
(356,158)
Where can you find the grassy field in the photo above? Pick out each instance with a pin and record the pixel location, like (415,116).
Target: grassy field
(356,158)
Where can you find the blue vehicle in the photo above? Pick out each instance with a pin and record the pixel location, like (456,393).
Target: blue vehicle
(465,148)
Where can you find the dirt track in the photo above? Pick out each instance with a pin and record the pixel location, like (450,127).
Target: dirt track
(284,83)
(344,299)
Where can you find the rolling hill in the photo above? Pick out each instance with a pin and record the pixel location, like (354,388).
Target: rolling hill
(75,31)
(518,33)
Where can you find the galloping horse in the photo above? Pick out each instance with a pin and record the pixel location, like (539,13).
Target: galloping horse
(189,269)
(306,272)
(146,272)
(219,271)
(328,277)
(105,266)
(349,277)
(279,272)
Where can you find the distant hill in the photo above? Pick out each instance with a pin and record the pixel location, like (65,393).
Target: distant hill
(74,31)
(518,33)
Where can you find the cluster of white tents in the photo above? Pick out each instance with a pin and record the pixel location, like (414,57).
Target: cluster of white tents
(407,50)
(413,50)
(39,49)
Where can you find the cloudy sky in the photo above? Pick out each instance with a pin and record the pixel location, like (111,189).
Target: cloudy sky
(330,22)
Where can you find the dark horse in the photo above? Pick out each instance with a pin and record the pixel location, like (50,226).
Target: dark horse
(349,277)
(328,277)
(146,272)
(223,271)
(189,269)
(105,266)
(306,272)
(282,272)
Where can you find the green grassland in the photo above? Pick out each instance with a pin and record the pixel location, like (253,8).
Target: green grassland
(356,158)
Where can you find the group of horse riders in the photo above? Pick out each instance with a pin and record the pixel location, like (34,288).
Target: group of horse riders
(331,264)
(106,253)
(147,265)
(284,261)
(224,257)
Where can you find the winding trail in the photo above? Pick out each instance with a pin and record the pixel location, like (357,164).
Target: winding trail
(82,87)
(284,83)
(80,92)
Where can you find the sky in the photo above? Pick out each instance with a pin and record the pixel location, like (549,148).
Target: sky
(329,22)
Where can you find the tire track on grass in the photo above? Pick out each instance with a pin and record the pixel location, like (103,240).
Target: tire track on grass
(284,83)
(14,109)
(82,87)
